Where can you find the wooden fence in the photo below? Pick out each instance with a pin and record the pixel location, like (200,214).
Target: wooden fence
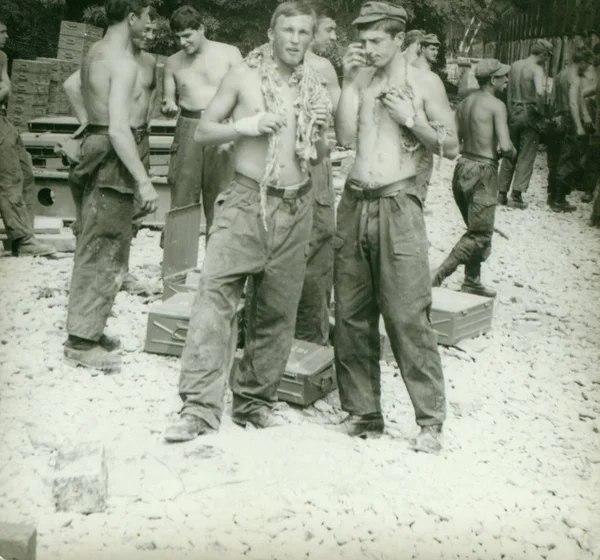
(566,23)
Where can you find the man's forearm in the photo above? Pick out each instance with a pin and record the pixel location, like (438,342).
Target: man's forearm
(430,138)
(346,117)
(4,92)
(213,133)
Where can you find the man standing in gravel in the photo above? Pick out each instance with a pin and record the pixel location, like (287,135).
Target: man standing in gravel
(482,126)
(145,103)
(196,173)
(526,112)
(571,134)
(110,174)
(381,265)
(16,176)
(312,321)
(280,112)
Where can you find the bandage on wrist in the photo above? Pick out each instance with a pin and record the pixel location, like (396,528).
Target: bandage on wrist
(248,126)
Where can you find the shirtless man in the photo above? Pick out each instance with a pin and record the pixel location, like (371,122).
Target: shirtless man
(482,127)
(261,230)
(16,176)
(570,132)
(381,265)
(110,174)
(430,48)
(147,100)
(312,322)
(526,111)
(194,74)
(413,53)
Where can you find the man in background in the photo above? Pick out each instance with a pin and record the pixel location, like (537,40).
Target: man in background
(482,126)
(312,321)
(193,74)
(430,48)
(526,112)
(16,176)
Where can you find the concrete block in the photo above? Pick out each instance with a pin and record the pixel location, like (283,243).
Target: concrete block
(81,479)
(63,241)
(42,224)
(17,541)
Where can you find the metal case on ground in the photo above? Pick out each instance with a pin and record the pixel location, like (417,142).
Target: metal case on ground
(309,374)
(168,323)
(454,315)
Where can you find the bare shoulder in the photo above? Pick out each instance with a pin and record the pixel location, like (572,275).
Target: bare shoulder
(228,52)
(174,61)
(3,58)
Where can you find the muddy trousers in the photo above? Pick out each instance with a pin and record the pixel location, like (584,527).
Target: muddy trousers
(100,262)
(382,269)
(565,161)
(275,259)
(475,190)
(17,192)
(312,321)
(526,140)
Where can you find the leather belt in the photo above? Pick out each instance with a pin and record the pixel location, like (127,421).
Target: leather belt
(364,191)
(287,192)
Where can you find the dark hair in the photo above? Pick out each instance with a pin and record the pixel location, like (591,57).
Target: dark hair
(2,21)
(152,13)
(184,18)
(413,36)
(291,9)
(324,12)
(583,54)
(390,26)
(118,10)
(483,81)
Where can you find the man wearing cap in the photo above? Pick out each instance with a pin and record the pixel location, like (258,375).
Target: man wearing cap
(312,320)
(430,48)
(564,162)
(526,112)
(413,51)
(381,266)
(482,126)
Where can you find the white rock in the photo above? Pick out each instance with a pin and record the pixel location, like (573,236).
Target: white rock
(81,480)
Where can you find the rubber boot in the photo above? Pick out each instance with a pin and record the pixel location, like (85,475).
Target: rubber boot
(31,247)
(472,283)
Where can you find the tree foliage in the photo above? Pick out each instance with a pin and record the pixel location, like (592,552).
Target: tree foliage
(33,26)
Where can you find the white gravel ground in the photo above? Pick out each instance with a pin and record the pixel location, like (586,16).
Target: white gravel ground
(518,479)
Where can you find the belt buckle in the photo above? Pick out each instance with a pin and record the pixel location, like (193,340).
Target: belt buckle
(289,193)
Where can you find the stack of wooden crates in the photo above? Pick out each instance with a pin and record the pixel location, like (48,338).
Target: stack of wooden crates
(29,92)
(37,84)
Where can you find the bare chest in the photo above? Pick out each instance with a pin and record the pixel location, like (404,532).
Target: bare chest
(202,71)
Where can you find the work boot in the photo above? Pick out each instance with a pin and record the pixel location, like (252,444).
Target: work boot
(502,198)
(562,206)
(93,356)
(517,200)
(366,426)
(260,419)
(475,287)
(32,247)
(587,197)
(110,343)
(472,282)
(133,286)
(429,440)
(186,428)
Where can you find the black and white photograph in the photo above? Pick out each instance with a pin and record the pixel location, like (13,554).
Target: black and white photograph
(300,279)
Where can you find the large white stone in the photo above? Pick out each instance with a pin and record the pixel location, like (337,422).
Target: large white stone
(81,480)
